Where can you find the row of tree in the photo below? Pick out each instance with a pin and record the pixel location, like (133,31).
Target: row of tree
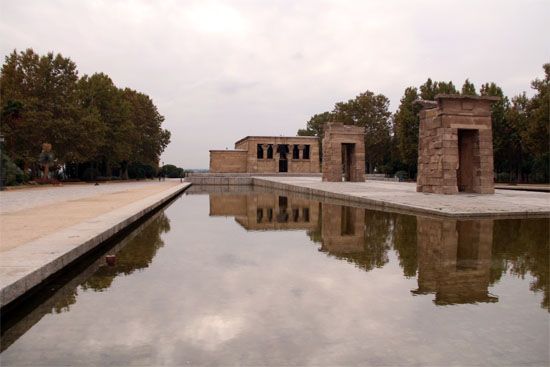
(521,128)
(94,127)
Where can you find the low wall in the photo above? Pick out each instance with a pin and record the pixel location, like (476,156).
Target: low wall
(228,161)
(217,178)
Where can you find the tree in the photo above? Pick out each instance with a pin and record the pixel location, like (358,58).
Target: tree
(516,118)
(430,89)
(468,89)
(316,124)
(406,125)
(149,139)
(98,92)
(536,134)
(503,134)
(92,124)
(38,103)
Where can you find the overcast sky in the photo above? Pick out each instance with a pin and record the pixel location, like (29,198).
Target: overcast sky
(221,70)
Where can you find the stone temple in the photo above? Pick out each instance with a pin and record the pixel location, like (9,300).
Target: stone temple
(455,147)
(268,154)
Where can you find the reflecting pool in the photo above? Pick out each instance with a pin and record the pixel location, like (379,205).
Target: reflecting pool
(235,276)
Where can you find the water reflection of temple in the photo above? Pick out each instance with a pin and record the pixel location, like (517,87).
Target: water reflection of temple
(356,235)
(454,260)
(265,211)
(453,257)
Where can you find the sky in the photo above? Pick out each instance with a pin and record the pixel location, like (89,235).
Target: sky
(222,70)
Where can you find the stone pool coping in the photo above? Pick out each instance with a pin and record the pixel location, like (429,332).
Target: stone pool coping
(398,196)
(404,198)
(26,266)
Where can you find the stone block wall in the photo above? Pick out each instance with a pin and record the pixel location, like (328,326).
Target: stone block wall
(336,135)
(228,161)
(271,165)
(455,147)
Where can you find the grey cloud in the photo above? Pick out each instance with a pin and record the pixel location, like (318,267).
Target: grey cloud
(220,70)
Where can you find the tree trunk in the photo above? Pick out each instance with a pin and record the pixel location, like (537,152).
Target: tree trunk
(124,171)
(108,169)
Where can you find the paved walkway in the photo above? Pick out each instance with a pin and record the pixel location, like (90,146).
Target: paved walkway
(28,214)
(43,230)
(403,196)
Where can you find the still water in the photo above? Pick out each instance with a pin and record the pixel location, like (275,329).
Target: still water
(261,278)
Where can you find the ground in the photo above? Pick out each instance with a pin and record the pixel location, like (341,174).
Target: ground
(28,214)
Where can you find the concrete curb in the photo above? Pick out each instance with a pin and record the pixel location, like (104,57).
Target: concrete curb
(28,265)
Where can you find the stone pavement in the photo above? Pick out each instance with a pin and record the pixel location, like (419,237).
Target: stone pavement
(43,230)
(403,196)
(29,214)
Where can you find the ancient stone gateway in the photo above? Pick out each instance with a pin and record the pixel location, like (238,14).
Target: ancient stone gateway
(455,147)
(343,153)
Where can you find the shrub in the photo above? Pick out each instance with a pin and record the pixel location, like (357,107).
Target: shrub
(402,175)
(90,174)
(10,174)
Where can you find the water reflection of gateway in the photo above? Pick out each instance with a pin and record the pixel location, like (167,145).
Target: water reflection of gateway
(343,229)
(454,260)
(264,211)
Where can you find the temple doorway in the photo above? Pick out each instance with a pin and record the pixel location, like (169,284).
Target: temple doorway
(348,153)
(283,151)
(467,139)
(283,165)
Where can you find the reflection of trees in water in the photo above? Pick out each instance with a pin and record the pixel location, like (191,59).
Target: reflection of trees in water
(136,255)
(521,246)
(382,230)
(136,252)
(377,242)
(404,243)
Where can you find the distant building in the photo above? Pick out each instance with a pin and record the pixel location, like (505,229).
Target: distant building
(268,154)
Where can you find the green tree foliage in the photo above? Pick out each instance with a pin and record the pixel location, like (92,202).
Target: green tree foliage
(406,123)
(536,134)
(521,247)
(430,89)
(315,125)
(370,111)
(468,88)
(90,123)
(171,171)
(506,141)
(38,103)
